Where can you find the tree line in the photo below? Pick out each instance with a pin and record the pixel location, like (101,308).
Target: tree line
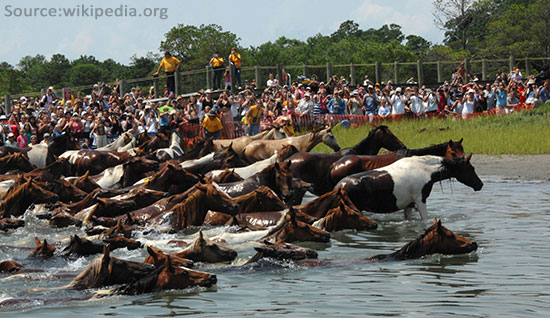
(474,28)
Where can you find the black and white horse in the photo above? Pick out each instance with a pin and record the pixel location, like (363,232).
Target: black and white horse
(406,183)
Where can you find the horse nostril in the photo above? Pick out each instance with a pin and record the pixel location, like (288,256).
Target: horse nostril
(473,246)
(212,279)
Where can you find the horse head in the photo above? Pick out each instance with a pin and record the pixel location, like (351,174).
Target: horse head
(22,162)
(387,139)
(291,230)
(122,242)
(172,276)
(122,271)
(37,194)
(344,217)
(157,258)
(439,239)
(81,247)
(42,249)
(454,149)
(218,200)
(329,139)
(463,171)
(204,250)
(282,250)
(281,178)
(9,267)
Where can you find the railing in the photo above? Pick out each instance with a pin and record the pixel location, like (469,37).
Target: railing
(424,72)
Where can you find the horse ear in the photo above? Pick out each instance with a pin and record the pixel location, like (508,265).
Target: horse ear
(451,141)
(469,157)
(106,254)
(460,141)
(201,238)
(37,241)
(151,252)
(277,166)
(169,263)
(342,206)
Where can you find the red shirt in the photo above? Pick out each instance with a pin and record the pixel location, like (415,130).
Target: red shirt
(441,103)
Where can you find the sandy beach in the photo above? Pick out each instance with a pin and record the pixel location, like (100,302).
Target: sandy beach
(530,167)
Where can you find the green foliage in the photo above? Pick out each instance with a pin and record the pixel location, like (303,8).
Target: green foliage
(85,74)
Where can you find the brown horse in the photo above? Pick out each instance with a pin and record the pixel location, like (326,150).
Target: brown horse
(263,149)
(254,221)
(291,230)
(319,207)
(85,183)
(343,217)
(202,148)
(42,249)
(240,143)
(62,219)
(172,179)
(9,267)
(226,158)
(206,251)
(18,200)
(119,205)
(160,140)
(349,165)
(10,224)
(282,251)
(79,246)
(227,176)
(437,239)
(168,276)
(108,270)
(315,167)
(156,257)
(16,161)
(260,200)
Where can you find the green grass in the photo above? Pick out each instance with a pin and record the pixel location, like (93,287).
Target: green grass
(519,133)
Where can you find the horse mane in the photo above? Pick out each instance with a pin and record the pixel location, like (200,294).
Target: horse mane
(435,150)
(143,285)
(187,209)
(286,151)
(369,137)
(13,195)
(91,275)
(413,249)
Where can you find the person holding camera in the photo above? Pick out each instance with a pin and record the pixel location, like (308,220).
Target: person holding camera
(397,102)
(170,64)
(217,65)
(235,59)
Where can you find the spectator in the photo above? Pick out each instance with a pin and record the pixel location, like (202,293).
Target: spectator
(47,100)
(512,101)
(397,102)
(217,68)
(337,106)
(170,64)
(34,140)
(543,93)
(212,125)
(227,77)
(416,102)
(272,81)
(502,97)
(46,138)
(235,59)
(10,142)
(305,106)
(469,102)
(253,117)
(370,102)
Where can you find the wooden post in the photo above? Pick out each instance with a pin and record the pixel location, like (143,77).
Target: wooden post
(156,86)
(378,72)
(439,72)
(512,63)
(306,70)
(527,67)
(177,79)
(420,71)
(232,74)
(329,71)
(396,72)
(208,77)
(122,87)
(280,73)
(7,104)
(258,77)
(467,68)
(352,75)
(484,68)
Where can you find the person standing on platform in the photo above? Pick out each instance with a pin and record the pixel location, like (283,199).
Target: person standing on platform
(170,64)
(235,59)
(217,65)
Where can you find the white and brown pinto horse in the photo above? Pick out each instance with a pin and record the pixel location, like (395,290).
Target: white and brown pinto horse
(173,151)
(263,149)
(406,183)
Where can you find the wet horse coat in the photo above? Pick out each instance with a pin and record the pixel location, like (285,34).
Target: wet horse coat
(406,182)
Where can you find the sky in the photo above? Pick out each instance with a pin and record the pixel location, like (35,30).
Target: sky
(254,21)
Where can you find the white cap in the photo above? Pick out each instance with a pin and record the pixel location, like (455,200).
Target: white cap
(531,81)
(208,91)
(398,90)
(3,117)
(11,135)
(471,91)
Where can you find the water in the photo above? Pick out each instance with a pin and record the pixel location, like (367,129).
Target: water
(507,276)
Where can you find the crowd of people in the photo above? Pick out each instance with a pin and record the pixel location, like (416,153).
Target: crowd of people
(102,115)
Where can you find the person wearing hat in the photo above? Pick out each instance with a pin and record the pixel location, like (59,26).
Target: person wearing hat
(468,104)
(397,102)
(217,63)
(212,125)
(235,59)
(354,105)
(305,106)
(46,138)
(531,92)
(170,64)
(11,142)
(370,101)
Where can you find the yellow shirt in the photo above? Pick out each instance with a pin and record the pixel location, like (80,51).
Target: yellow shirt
(289,130)
(236,59)
(169,63)
(254,114)
(212,124)
(216,61)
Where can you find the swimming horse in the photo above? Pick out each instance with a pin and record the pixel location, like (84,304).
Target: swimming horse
(406,182)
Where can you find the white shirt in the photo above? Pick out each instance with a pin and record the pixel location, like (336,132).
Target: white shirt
(468,107)
(305,106)
(416,105)
(398,107)
(272,82)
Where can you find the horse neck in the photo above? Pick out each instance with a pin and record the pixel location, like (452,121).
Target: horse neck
(435,150)
(308,141)
(368,146)
(8,206)
(190,210)
(413,249)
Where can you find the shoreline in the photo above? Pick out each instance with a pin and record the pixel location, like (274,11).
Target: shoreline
(530,167)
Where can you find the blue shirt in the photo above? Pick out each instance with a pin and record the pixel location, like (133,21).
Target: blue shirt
(370,103)
(501,98)
(337,107)
(544,95)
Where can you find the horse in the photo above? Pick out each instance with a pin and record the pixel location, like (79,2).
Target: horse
(42,249)
(437,239)
(136,198)
(319,207)
(314,167)
(263,149)
(282,251)
(226,158)
(85,183)
(407,181)
(291,229)
(10,267)
(174,150)
(172,179)
(254,221)
(247,171)
(125,174)
(277,177)
(7,224)
(226,176)
(342,218)
(16,161)
(96,161)
(241,142)
(168,276)
(108,270)
(18,200)
(202,148)
(351,164)
(43,154)
(159,141)
(121,141)
(261,199)
(156,257)
(63,219)
(206,251)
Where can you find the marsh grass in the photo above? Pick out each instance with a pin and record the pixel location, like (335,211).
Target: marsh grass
(519,133)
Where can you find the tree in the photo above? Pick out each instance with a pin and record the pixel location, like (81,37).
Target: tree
(85,74)
(417,44)
(347,28)
(194,46)
(456,17)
